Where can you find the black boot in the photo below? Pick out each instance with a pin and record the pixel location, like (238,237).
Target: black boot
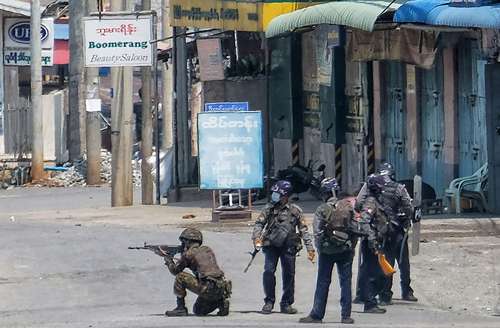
(410,297)
(223,308)
(267,308)
(374,309)
(180,310)
(288,309)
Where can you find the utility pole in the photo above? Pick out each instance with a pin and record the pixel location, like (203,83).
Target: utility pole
(36,92)
(167,73)
(76,123)
(147,129)
(93,128)
(121,127)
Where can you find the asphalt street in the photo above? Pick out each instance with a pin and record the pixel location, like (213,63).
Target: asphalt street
(64,262)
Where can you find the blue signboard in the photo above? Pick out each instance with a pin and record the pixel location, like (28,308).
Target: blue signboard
(227,107)
(230,150)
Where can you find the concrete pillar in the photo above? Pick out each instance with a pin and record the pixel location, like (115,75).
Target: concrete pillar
(414,131)
(451,154)
(492,77)
(378,137)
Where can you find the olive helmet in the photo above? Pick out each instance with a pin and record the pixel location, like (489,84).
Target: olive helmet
(191,234)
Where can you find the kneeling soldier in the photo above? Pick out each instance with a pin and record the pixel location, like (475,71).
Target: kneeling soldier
(207,282)
(335,238)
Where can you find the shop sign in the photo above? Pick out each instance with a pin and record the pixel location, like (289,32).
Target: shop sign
(220,14)
(227,107)
(230,150)
(118,41)
(17,44)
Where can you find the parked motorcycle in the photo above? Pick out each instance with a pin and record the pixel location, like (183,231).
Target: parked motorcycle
(302,178)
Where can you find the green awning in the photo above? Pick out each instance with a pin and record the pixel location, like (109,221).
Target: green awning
(358,14)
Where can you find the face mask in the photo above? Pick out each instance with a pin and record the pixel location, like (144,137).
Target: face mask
(275,197)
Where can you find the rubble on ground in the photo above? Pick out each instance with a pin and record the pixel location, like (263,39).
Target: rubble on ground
(77,171)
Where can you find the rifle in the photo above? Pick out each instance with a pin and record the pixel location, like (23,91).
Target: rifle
(162,250)
(253,254)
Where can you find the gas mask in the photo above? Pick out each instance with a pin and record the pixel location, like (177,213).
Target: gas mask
(275,197)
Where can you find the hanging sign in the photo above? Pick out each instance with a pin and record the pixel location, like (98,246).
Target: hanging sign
(118,41)
(230,150)
(227,107)
(17,44)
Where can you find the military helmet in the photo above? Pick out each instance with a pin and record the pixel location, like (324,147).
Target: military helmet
(328,186)
(376,182)
(282,187)
(386,169)
(191,234)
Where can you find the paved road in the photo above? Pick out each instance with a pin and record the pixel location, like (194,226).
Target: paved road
(58,274)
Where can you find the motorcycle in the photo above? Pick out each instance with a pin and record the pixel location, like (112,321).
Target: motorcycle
(302,178)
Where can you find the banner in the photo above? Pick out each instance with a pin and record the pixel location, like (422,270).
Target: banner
(118,41)
(230,150)
(17,41)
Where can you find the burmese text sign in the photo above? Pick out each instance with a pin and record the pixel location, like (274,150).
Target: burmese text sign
(17,44)
(230,150)
(118,41)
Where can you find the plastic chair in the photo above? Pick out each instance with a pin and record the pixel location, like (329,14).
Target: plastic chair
(472,187)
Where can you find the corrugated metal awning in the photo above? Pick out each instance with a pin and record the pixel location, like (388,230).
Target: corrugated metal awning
(357,14)
(443,13)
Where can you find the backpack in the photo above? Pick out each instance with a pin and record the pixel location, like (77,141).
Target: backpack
(336,238)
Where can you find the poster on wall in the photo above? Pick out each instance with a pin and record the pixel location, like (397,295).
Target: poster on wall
(118,41)
(230,150)
(210,56)
(327,38)
(17,41)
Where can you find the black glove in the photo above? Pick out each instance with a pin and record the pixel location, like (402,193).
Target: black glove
(374,245)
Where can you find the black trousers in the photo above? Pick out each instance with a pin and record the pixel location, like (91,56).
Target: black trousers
(287,259)
(326,263)
(372,278)
(396,241)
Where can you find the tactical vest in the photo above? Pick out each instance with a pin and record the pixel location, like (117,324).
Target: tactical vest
(336,238)
(281,228)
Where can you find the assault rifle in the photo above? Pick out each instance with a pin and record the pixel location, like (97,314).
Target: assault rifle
(162,250)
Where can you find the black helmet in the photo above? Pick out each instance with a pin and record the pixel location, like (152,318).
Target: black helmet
(282,187)
(191,234)
(386,169)
(376,182)
(328,187)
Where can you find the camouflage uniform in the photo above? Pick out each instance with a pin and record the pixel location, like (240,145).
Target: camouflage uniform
(207,282)
(271,225)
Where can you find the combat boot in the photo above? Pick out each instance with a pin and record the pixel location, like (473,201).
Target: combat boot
(223,309)
(348,321)
(288,309)
(267,308)
(179,311)
(310,319)
(409,297)
(374,309)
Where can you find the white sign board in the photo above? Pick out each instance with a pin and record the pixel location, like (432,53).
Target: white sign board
(17,44)
(118,41)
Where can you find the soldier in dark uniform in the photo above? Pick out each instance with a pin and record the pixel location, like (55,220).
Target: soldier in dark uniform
(334,236)
(397,204)
(279,230)
(207,282)
(374,225)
